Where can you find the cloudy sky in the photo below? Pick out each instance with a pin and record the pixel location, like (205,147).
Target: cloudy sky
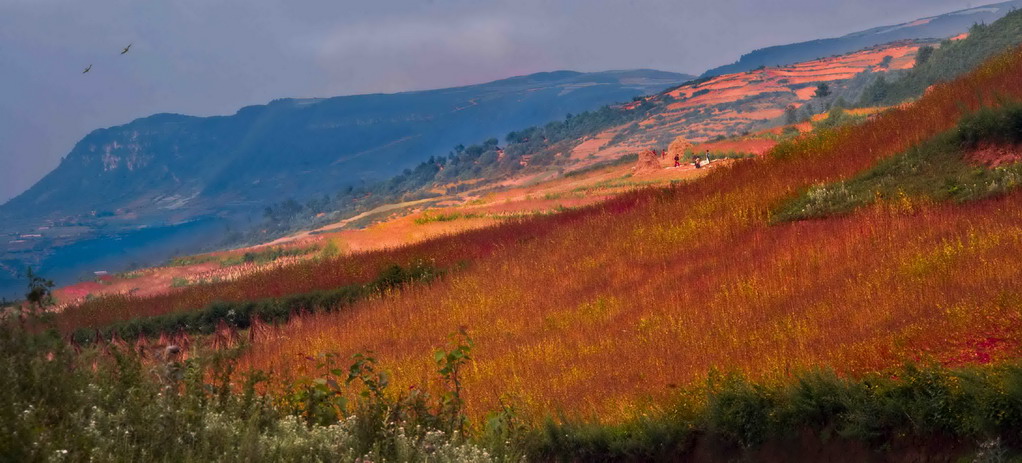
(207,57)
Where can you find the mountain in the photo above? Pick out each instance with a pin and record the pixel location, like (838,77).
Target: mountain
(951,60)
(696,305)
(945,25)
(125,186)
(536,160)
(296,147)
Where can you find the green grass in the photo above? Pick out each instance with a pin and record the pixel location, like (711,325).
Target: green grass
(430,217)
(267,255)
(838,117)
(935,170)
(191,260)
(261,256)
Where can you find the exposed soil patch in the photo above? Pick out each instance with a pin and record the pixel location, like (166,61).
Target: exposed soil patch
(995,155)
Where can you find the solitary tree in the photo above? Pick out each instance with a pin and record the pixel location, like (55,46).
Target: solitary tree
(39,295)
(822,90)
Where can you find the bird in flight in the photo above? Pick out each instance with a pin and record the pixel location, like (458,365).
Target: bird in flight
(127,48)
(87,69)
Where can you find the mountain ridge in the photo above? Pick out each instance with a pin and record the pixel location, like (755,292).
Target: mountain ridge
(107,145)
(167,169)
(932,27)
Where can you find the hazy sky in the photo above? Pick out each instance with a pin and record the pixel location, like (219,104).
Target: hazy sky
(206,57)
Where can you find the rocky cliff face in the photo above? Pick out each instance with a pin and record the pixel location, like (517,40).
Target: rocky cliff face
(300,147)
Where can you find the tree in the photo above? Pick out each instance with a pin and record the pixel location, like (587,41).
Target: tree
(923,54)
(808,111)
(875,93)
(790,114)
(822,90)
(39,295)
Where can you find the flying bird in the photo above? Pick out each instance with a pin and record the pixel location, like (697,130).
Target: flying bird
(127,48)
(87,69)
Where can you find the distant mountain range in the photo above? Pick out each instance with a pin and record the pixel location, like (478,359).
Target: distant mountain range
(298,147)
(934,27)
(168,171)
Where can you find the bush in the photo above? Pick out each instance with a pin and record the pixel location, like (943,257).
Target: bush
(62,406)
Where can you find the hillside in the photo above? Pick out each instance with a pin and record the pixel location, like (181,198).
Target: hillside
(169,161)
(950,60)
(686,318)
(535,161)
(705,110)
(221,194)
(723,109)
(935,27)
(167,183)
(675,282)
(638,279)
(849,292)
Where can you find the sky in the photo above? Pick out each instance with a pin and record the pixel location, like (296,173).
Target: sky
(209,57)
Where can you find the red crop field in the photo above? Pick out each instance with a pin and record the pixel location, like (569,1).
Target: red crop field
(312,275)
(653,289)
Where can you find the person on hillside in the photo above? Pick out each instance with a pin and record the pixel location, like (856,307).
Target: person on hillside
(707,156)
(677,160)
(696,161)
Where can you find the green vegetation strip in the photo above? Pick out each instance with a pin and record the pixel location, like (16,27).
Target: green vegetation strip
(936,169)
(259,257)
(968,408)
(239,314)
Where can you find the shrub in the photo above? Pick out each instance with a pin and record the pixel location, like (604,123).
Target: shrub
(275,310)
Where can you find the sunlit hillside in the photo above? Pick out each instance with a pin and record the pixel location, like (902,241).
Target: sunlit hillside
(817,261)
(732,115)
(675,282)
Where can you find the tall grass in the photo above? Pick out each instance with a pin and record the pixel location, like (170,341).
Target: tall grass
(605,308)
(114,405)
(654,288)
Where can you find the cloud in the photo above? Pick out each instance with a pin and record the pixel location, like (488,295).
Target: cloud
(405,53)
(477,37)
